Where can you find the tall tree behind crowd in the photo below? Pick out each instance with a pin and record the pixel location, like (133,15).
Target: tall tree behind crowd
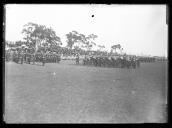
(38,36)
(115,47)
(73,38)
(83,41)
(90,41)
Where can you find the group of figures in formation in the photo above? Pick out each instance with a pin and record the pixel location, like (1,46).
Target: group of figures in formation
(112,61)
(120,61)
(123,61)
(29,58)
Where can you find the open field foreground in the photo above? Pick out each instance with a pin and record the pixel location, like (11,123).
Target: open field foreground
(68,93)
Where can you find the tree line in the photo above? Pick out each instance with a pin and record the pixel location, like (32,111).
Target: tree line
(39,37)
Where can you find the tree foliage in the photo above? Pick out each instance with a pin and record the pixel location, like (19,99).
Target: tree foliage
(40,35)
(90,41)
(75,37)
(114,47)
(101,47)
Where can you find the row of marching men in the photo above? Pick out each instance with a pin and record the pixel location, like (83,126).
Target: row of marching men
(20,57)
(115,62)
(147,59)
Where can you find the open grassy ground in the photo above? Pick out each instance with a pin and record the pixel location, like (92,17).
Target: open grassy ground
(68,93)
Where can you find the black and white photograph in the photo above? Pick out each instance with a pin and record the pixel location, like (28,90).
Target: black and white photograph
(85,63)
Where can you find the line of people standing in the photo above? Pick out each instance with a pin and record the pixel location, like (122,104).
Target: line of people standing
(115,62)
(21,57)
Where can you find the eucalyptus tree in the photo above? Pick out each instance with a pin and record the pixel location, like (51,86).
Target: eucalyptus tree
(82,40)
(72,38)
(38,36)
(101,47)
(90,41)
(114,47)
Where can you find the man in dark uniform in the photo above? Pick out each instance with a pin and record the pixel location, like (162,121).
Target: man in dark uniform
(43,58)
(33,58)
(113,62)
(17,56)
(28,57)
(133,62)
(84,60)
(138,62)
(98,61)
(77,59)
(22,57)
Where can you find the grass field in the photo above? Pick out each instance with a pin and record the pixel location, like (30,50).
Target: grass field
(69,93)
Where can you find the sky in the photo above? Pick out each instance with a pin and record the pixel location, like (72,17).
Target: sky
(140,29)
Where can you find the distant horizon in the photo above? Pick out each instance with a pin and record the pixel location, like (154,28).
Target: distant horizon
(113,24)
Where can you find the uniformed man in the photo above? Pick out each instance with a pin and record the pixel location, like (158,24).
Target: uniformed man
(77,59)
(43,59)
(22,57)
(138,62)
(34,58)
(84,60)
(133,62)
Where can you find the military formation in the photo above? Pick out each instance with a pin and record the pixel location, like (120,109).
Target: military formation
(52,58)
(147,59)
(111,61)
(22,57)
